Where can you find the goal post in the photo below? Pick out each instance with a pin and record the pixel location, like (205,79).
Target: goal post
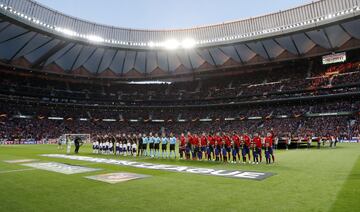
(69,140)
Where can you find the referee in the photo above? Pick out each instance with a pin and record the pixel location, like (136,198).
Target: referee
(77,143)
(140,145)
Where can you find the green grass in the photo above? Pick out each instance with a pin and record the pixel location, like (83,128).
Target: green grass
(305,180)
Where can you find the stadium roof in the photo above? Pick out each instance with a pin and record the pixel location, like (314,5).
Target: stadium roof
(37,37)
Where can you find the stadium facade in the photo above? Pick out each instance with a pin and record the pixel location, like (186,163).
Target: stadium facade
(42,39)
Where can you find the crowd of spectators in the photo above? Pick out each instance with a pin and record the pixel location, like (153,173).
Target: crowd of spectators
(260,85)
(27,102)
(24,121)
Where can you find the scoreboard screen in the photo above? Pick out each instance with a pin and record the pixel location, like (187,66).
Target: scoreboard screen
(334,58)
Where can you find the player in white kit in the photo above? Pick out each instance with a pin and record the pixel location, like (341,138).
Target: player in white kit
(134,146)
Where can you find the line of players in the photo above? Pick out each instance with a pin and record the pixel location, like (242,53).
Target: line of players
(224,147)
(118,144)
(130,144)
(218,147)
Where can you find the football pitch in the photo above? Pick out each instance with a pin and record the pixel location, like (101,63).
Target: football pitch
(303,180)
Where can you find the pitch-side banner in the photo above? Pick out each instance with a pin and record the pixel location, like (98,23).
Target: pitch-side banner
(251,175)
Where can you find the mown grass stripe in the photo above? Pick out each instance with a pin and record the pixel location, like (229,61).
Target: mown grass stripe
(347,198)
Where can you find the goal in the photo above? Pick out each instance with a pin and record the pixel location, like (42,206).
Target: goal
(69,140)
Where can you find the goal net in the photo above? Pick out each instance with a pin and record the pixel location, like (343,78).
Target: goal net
(69,140)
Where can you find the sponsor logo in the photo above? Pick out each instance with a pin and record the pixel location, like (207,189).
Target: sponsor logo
(349,141)
(20,161)
(22,141)
(6,142)
(113,178)
(60,167)
(28,141)
(239,174)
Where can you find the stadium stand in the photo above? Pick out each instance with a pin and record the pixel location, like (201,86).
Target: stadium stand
(297,106)
(60,74)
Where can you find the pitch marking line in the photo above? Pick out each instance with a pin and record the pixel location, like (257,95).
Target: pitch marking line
(16,170)
(21,161)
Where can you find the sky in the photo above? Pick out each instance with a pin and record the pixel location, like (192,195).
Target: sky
(167,14)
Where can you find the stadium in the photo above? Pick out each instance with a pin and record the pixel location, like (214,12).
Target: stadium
(258,114)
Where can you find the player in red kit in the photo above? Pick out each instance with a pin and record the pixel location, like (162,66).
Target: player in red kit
(182,145)
(236,145)
(188,148)
(203,142)
(254,152)
(198,147)
(246,147)
(195,146)
(211,144)
(219,144)
(269,144)
(227,143)
(258,146)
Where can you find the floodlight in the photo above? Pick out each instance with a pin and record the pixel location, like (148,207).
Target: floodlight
(188,43)
(171,44)
(151,44)
(65,31)
(149,82)
(95,38)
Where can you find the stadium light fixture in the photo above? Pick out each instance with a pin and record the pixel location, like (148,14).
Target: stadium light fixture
(109,120)
(188,43)
(149,82)
(171,44)
(55,118)
(229,119)
(254,117)
(23,117)
(151,44)
(95,38)
(205,120)
(68,32)
(158,120)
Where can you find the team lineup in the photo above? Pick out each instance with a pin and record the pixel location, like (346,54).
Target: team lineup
(226,147)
